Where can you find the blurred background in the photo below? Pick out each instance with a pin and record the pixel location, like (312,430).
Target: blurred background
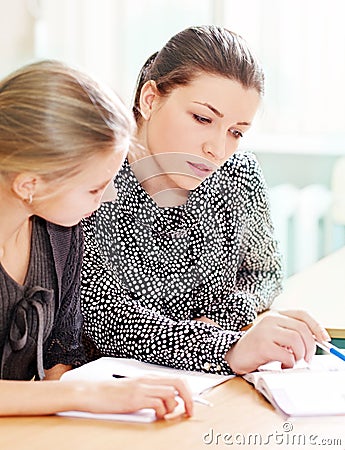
(299,133)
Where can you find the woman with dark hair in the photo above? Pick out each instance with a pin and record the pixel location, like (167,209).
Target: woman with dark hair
(184,259)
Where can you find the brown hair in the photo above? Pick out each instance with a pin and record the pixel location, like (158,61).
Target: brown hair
(53,118)
(204,49)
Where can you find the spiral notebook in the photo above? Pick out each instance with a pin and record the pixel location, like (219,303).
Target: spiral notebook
(314,389)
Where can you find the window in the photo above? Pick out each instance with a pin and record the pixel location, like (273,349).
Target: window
(301,46)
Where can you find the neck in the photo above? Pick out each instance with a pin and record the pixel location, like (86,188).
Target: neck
(170,197)
(14,224)
(160,187)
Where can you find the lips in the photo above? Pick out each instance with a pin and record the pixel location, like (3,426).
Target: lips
(200,169)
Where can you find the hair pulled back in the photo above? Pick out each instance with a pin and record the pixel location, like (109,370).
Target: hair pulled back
(196,50)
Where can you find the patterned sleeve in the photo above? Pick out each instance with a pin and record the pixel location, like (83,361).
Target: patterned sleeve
(64,345)
(120,326)
(259,274)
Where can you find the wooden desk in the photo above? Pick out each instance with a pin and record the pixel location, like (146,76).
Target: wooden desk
(320,290)
(238,410)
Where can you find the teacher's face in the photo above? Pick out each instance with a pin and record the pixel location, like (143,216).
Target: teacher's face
(196,128)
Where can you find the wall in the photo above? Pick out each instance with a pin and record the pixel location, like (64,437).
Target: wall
(17,35)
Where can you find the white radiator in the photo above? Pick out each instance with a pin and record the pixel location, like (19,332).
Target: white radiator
(303,224)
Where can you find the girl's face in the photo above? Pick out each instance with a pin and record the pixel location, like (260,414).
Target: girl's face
(79,196)
(196,128)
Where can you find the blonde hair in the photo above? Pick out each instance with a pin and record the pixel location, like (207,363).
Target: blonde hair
(53,118)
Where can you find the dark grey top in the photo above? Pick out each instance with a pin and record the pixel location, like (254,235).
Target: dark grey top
(36,331)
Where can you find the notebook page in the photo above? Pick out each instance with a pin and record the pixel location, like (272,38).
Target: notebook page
(103,369)
(324,363)
(305,393)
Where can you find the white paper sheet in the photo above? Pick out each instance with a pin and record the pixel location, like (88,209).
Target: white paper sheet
(103,369)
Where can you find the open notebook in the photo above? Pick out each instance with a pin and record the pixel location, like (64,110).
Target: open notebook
(315,389)
(103,369)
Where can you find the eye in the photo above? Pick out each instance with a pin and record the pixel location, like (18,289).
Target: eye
(201,119)
(95,191)
(236,133)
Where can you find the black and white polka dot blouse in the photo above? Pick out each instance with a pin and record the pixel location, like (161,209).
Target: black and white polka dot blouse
(149,271)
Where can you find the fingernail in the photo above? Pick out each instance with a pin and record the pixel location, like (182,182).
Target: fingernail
(326,336)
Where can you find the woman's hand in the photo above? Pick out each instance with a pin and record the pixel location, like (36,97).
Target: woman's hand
(285,336)
(130,395)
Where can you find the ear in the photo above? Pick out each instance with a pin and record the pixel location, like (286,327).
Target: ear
(149,94)
(24,185)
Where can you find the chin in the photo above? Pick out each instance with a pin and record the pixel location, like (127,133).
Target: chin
(187,182)
(66,223)
(71,224)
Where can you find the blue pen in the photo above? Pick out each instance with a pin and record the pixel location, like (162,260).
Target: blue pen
(329,348)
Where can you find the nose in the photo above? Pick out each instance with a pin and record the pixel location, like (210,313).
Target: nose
(219,148)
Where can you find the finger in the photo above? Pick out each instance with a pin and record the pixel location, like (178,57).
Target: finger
(170,404)
(185,394)
(291,341)
(316,328)
(178,386)
(299,333)
(167,394)
(158,400)
(283,355)
(158,405)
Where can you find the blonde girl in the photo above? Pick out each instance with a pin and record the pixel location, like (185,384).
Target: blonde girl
(62,139)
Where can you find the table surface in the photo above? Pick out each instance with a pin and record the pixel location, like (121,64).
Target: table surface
(239,415)
(320,289)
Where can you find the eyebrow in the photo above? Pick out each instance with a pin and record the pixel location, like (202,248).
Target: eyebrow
(212,108)
(219,114)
